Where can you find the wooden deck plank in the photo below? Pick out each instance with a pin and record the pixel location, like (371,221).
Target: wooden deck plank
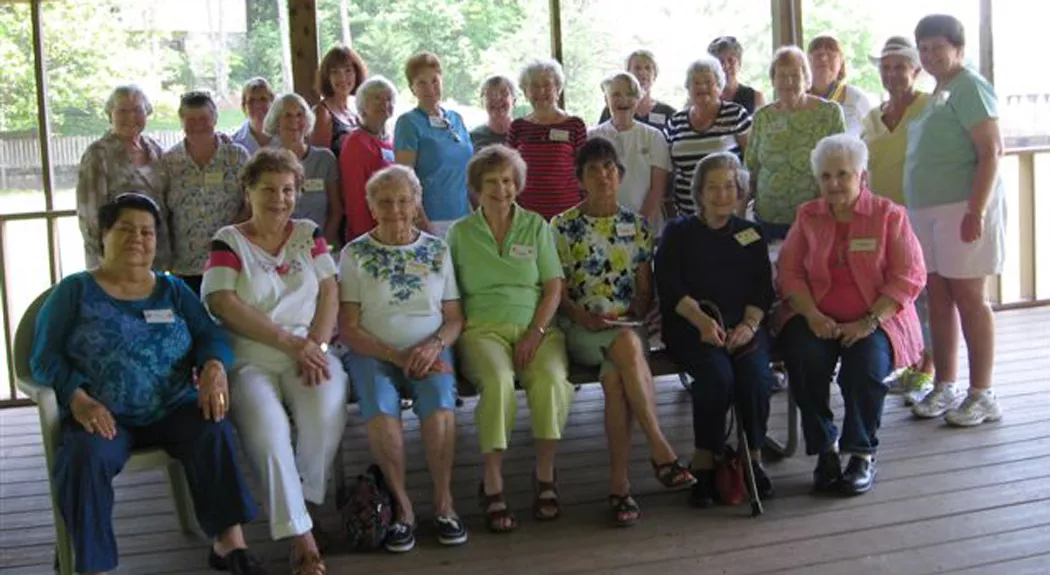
(973,501)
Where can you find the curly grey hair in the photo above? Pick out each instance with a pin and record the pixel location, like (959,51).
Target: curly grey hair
(127,91)
(541,66)
(393,176)
(845,146)
(706,64)
(273,117)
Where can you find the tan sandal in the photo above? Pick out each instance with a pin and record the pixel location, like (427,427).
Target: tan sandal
(308,564)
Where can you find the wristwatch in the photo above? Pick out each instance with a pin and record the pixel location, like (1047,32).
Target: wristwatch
(872,319)
(324,346)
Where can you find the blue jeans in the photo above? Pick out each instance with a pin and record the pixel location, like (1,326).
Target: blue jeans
(722,380)
(810,363)
(379,386)
(86,464)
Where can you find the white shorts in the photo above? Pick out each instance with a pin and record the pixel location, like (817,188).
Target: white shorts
(939,231)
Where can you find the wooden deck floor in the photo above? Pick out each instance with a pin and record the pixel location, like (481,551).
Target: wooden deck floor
(948,500)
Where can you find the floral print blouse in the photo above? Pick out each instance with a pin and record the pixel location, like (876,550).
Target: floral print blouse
(600,256)
(106,172)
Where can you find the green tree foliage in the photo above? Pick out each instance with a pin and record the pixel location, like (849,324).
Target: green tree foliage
(853,32)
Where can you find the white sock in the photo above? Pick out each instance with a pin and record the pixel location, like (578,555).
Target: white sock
(941,385)
(865,456)
(973,391)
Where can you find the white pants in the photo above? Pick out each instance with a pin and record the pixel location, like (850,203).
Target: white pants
(945,254)
(258,397)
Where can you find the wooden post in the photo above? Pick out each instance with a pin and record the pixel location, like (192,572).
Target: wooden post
(787,22)
(47,172)
(556,44)
(302,29)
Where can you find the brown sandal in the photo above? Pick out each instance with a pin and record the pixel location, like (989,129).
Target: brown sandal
(308,564)
(496,520)
(549,504)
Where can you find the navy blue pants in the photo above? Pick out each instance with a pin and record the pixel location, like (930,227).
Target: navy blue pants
(810,363)
(86,464)
(720,380)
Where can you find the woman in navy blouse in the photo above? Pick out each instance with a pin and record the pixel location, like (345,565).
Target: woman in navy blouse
(119,344)
(715,284)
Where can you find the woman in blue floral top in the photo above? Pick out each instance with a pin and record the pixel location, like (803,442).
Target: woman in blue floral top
(399,315)
(606,251)
(118,344)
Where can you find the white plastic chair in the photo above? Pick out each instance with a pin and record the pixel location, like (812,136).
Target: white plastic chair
(51,432)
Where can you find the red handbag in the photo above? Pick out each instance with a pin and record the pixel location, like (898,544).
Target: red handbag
(729,478)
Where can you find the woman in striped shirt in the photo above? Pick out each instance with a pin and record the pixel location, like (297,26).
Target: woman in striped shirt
(707,126)
(547,140)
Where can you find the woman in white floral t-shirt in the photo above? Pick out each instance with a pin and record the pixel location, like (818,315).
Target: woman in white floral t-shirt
(606,251)
(399,316)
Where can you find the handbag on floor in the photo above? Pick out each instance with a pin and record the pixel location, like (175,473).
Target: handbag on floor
(367,510)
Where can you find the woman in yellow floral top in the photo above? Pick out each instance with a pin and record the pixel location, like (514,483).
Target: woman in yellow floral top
(606,251)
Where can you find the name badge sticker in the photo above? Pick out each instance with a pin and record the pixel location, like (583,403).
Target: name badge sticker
(388,155)
(862,245)
(159,316)
(657,118)
(746,237)
(557,135)
(522,252)
(417,268)
(213,178)
(625,230)
(438,122)
(313,185)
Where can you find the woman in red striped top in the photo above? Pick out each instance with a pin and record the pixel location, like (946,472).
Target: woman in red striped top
(547,139)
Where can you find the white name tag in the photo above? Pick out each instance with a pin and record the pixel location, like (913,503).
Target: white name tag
(522,252)
(862,245)
(159,316)
(416,268)
(625,230)
(213,178)
(657,118)
(557,135)
(438,122)
(314,185)
(746,237)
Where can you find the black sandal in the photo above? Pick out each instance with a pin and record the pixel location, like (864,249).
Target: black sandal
(672,475)
(496,520)
(625,510)
(549,504)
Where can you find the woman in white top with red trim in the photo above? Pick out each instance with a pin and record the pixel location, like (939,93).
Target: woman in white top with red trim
(272,283)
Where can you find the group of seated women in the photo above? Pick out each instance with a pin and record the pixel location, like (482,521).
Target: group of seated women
(427,289)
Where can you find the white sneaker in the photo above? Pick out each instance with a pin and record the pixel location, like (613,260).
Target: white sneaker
(937,402)
(976,409)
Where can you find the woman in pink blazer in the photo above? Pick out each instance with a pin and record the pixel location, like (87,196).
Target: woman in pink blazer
(849,271)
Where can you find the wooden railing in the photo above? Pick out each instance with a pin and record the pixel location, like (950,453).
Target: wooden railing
(1026,274)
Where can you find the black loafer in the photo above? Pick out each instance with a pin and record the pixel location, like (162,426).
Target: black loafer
(859,476)
(763,483)
(828,474)
(238,562)
(702,493)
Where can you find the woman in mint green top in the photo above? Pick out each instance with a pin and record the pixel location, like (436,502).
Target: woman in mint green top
(956,204)
(782,136)
(510,282)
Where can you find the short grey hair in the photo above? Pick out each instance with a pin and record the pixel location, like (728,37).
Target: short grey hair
(497,80)
(706,64)
(718,161)
(636,87)
(373,85)
(273,117)
(785,52)
(127,91)
(845,145)
(541,66)
(393,176)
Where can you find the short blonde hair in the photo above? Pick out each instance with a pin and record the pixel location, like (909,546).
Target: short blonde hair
(127,91)
(254,85)
(645,55)
(785,53)
(831,44)
(491,159)
(636,86)
(393,176)
(419,62)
